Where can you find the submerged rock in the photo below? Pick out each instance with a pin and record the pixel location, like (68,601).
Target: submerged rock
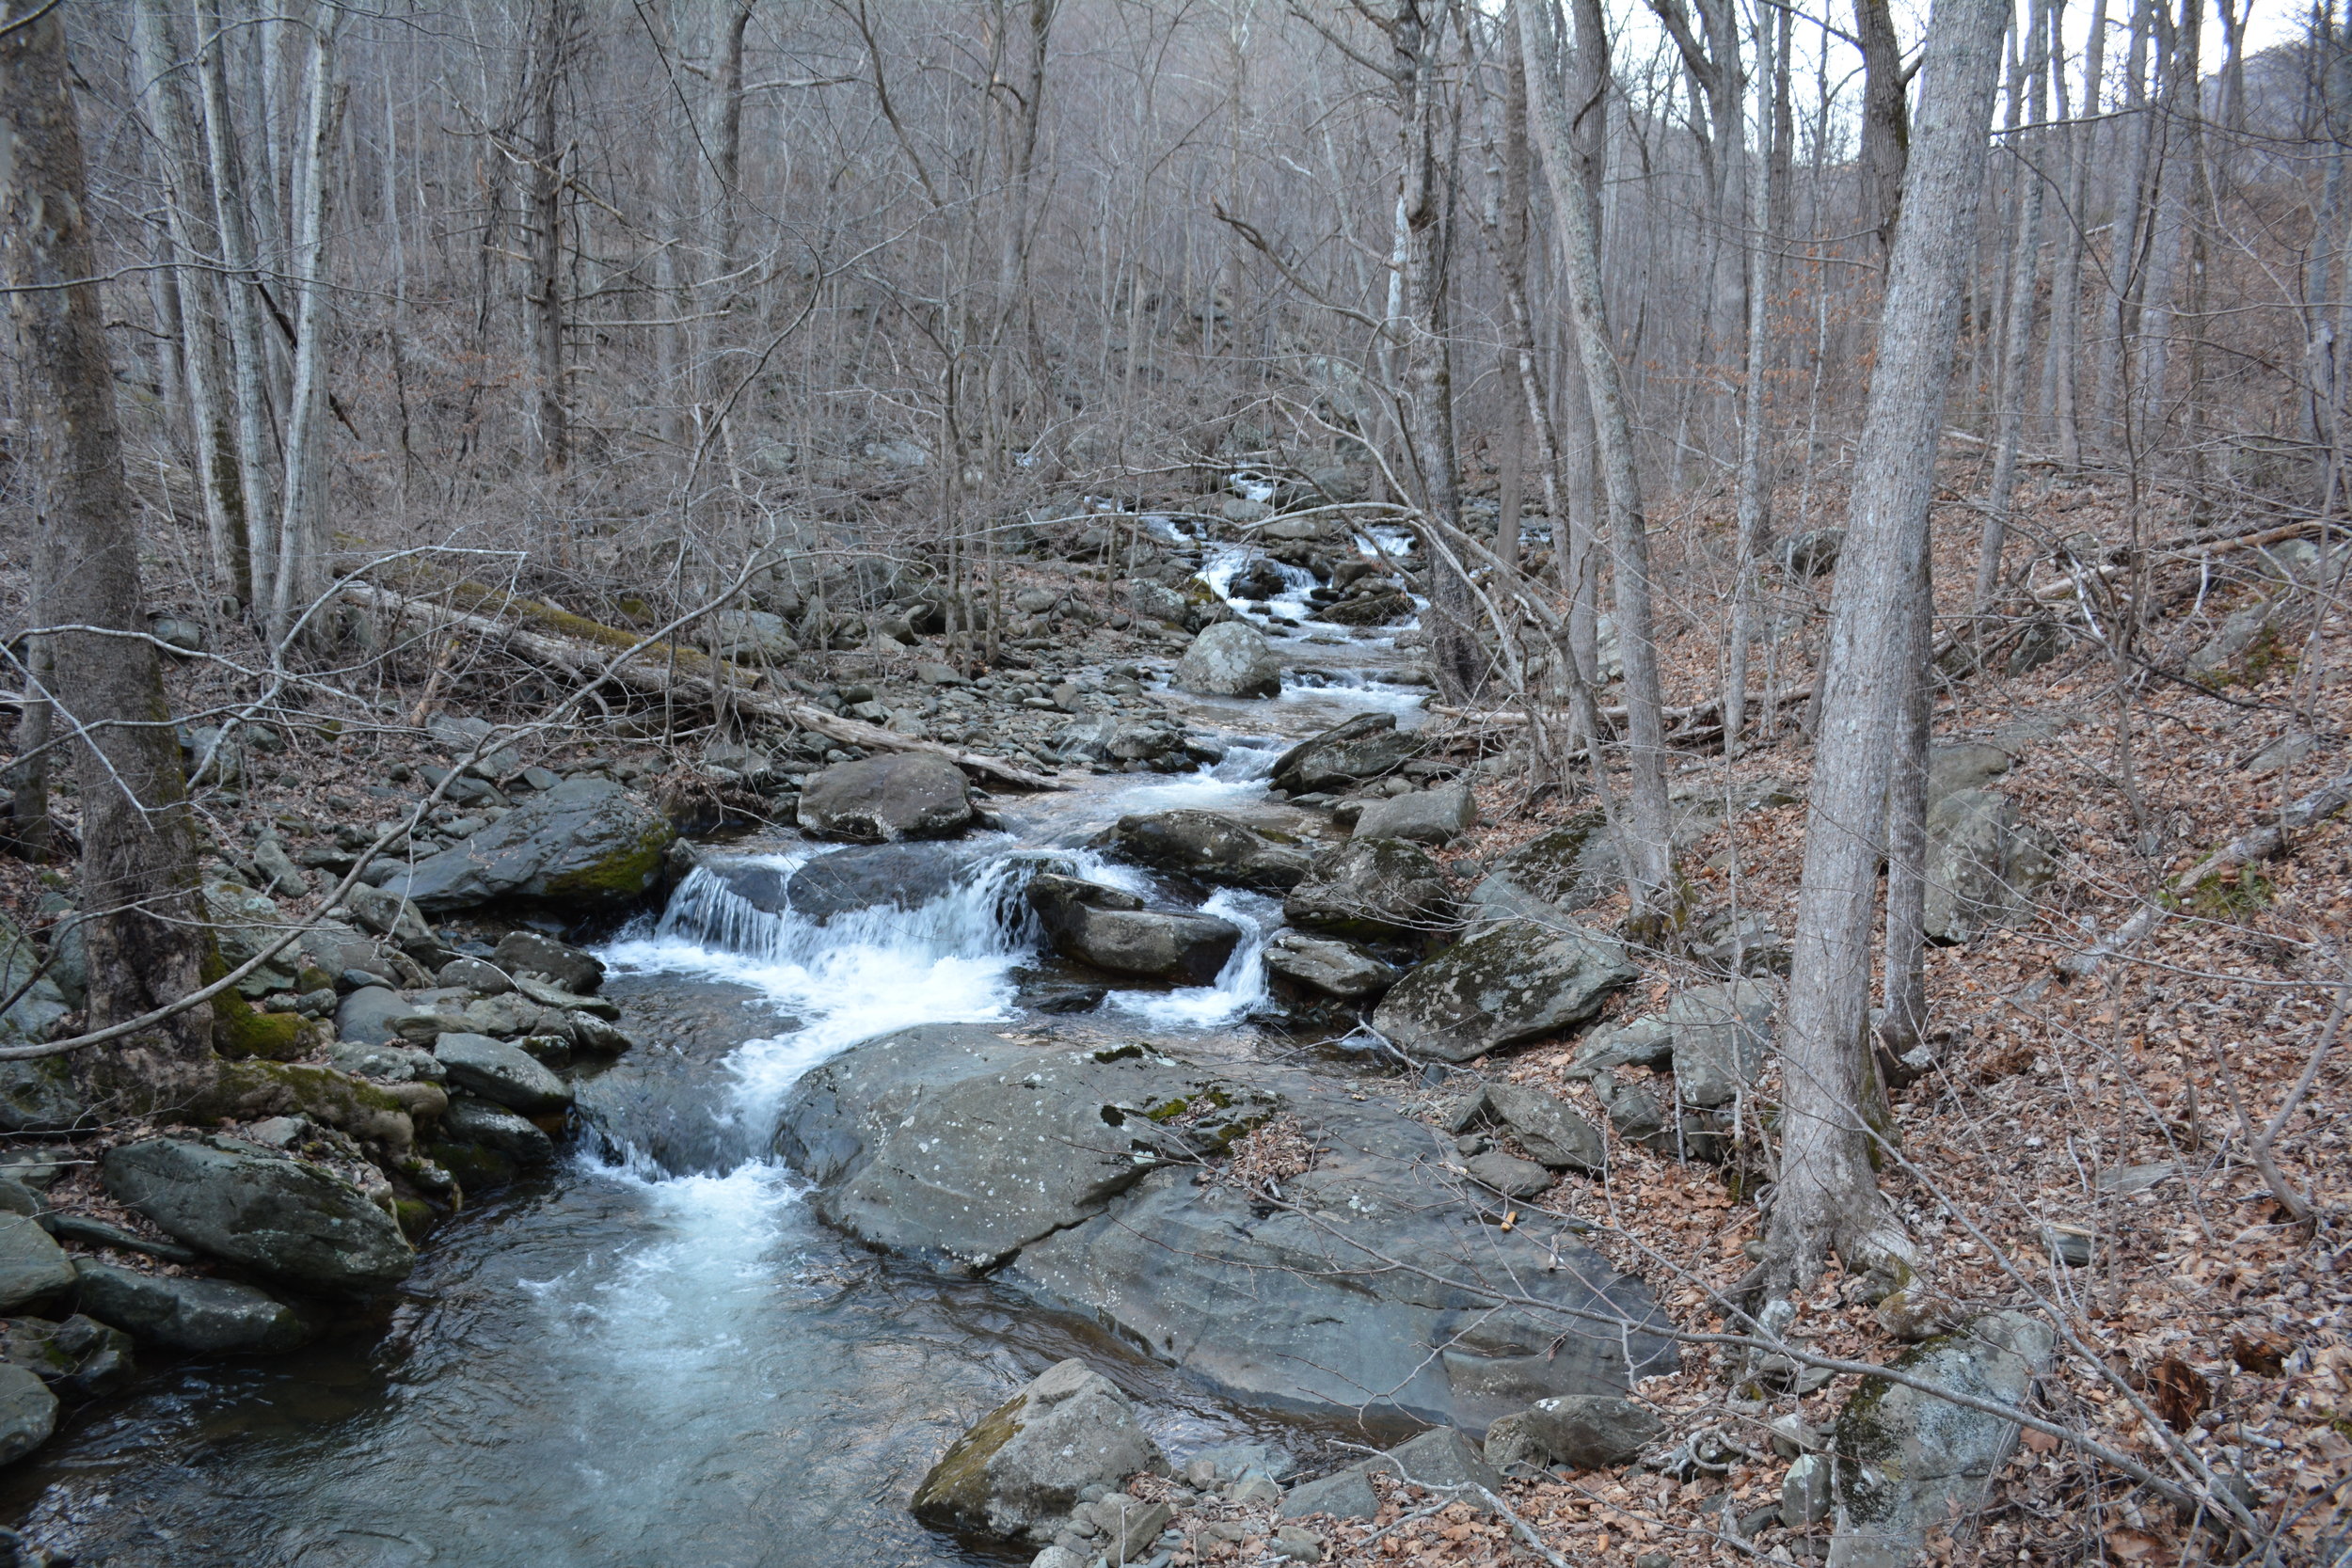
(587,842)
(1368,746)
(273,1213)
(1021,1470)
(1086,1179)
(1510,981)
(883,799)
(1212,848)
(1229,659)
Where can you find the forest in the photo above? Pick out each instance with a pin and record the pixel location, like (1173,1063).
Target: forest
(1592,757)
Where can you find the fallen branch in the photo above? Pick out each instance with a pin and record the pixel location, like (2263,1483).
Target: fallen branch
(670,671)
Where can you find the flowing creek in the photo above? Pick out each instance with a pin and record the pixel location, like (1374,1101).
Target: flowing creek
(654,1356)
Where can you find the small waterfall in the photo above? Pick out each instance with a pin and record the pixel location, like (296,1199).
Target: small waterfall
(1240,987)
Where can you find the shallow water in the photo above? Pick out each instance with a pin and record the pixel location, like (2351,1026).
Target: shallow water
(653,1355)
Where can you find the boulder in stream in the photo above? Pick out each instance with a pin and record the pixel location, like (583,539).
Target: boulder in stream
(1229,659)
(1327,964)
(1109,928)
(1025,1466)
(1210,847)
(269,1211)
(587,842)
(32,1266)
(883,799)
(182,1313)
(504,1074)
(530,953)
(28,1412)
(879,876)
(1368,746)
(1087,1178)
(1510,981)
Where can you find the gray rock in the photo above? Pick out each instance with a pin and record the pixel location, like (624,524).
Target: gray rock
(28,1412)
(1156,601)
(882,799)
(1548,879)
(1443,1463)
(1368,746)
(1294,1545)
(474,974)
(587,842)
(881,876)
(272,1214)
(750,637)
(389,915)
(1077,1175)
(80,1355)
(547,994)
(1327,964)
(32,1266)
(1813,552)
(1433,817)
(1507,1174)
(1379,889)
(1109,928)
(528,951)
(1983,865)
(1229,659)
(1644,1042)
(39,1095)
(1722,1036)
(2238,635)
(502,1073)
(1021,1470)
(1968,766)
(501,1016)
(1588,1431)
(469,1120)
(1806,1492)
(367,1015)
(1212,848)
(1547,1129)
(1909,1461)
(279,874)
(203,1315)
(1504,983)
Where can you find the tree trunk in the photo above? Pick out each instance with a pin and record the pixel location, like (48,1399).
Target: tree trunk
(1904,1017)
(546,239)
(138,872)
(2064,351)
(1885,125)
(1754,483)
(1826,1197)
(1649,850)
(302,530)
(2124,229)
(29,779)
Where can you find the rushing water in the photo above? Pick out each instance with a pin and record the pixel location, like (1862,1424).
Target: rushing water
(652,1357)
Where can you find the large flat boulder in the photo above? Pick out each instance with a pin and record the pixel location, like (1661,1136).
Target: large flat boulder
(277,1216)
(182,1313)
(584,843)
(1432,817)
(1025,1466)
(1229,659)
(1368,746)
(1327,964)
(1506,982)
(1375,889)
(1109,928)
(502,1073)
(1210,847)
(1086,1179)
(883,799)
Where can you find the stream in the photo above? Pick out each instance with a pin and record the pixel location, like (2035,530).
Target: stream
(653,1355)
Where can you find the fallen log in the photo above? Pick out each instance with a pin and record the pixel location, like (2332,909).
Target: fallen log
(659,669)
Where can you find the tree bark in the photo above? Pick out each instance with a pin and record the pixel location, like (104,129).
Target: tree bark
(1885,124)
(302,530)
(2017,332)
(1826,1197)
(547,237)
(1649,850)
(1754,506)
(138,870)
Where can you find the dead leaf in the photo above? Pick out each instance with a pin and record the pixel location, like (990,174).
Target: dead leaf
(2178,1392)
(2136,1545)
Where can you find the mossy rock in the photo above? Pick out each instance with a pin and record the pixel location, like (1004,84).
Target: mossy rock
(476,1166)
(241,1031)
(249,1088)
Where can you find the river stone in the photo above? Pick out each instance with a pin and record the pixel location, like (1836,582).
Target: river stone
(81,1353)
(203,1315)
(528,953)
(494,1127)
(1432,817)
(245,922)
(1547,1129)
(1442,1461)
(881,876)
(750,637)
(503,1073)
(1722,1035)
(387,1063)
(1368,746)
(1909,1461)
(882,799)
(1109,928)
(474,974)
(1507,1174)
(1327,964)
(266,1210)
(1078,1176)
(1583,1432)
(1377,889)
(1229,659)
(32,1265)
(28,1412)
(1983,865)
(1209,847)
(1506,982)
(1021,1470)
(584,843)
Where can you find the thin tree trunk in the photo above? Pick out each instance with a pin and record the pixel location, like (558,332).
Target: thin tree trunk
(2065,347)
(138,870)
(1649,850)
(2176,162)
(2017,341)
(302,531)
(1755,483)
(1826,1197)
(29,779)
(1904,1016)
(547,242)
(2124,229)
